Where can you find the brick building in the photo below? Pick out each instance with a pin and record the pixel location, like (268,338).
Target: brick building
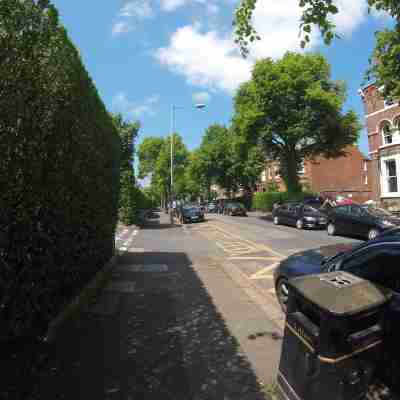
(383,126)
(348,176)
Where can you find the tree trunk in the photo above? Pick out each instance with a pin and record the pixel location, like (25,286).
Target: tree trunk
(290,163)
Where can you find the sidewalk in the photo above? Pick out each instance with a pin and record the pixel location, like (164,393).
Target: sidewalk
(156,333)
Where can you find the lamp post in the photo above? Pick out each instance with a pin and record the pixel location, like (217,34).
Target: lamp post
(173,108)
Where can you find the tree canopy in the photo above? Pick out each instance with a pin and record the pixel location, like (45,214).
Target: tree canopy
(385,66)
(293,110)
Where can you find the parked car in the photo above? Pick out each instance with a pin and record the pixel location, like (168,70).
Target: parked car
(300,215)
(354,219)
(235,208)
(375,260)
(212,207)
(190,213)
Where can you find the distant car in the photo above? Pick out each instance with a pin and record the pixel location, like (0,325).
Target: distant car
(300,215)
(234,209)
(191,214)
(357,220)
(212,207)
(375,260)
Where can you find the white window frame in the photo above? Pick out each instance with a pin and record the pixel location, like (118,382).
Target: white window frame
(302,169)
(389,134)
(385,178)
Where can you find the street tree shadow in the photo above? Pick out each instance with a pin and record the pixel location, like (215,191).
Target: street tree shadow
(163,340)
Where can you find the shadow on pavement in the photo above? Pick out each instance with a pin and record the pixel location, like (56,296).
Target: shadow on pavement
(266,218)
(162,340)
(156,224)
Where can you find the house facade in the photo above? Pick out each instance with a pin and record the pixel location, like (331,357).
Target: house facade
(349,176)
(383,127)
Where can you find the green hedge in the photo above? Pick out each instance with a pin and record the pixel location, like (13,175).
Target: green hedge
(59,169)
(264,201)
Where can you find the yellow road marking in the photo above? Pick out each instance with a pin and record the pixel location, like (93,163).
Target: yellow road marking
(259,246)
(263,272)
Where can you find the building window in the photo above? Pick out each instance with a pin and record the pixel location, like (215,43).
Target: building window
(387,134)
(277,172)
(365,166)
(270,173)
(366,180)
(396,124)
(391,176)
(302,168)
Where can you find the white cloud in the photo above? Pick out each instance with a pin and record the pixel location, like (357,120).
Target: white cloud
(210,58)
(201,97)
(205,59)
(137,8)
(121,103)
(132,10)
(212,8)
(171,5)
(120,27)
(352,14)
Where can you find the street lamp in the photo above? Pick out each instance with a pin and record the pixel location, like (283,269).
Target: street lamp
(173,108)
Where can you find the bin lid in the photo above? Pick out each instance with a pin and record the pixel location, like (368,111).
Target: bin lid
(341,293)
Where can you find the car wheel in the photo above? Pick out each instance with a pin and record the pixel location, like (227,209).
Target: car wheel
(299,224)
(276,220)
(282,292)
(372,234)
(331,229)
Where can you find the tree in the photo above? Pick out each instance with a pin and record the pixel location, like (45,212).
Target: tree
(148,152)
(384,68)
(293,109)
(215,154)
(128,196)
(155,160)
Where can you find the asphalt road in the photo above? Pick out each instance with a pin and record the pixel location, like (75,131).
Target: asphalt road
(251,247)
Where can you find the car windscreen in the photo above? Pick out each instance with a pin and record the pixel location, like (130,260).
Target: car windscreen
(309,208)
(315,205)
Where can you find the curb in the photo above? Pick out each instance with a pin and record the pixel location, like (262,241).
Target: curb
(89,290)
(254,293)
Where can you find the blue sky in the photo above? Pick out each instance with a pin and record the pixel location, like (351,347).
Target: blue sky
(145,55)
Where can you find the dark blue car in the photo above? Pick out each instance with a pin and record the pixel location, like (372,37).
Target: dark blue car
(377,260)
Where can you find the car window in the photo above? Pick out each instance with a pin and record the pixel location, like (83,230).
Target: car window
(309,209)
(379,264)
(356,211)
(284,207)
(342,210)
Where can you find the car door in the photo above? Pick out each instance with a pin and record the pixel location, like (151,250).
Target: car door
(380,263)
(359,221)
(283,213)
(291,214)
(340,217)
